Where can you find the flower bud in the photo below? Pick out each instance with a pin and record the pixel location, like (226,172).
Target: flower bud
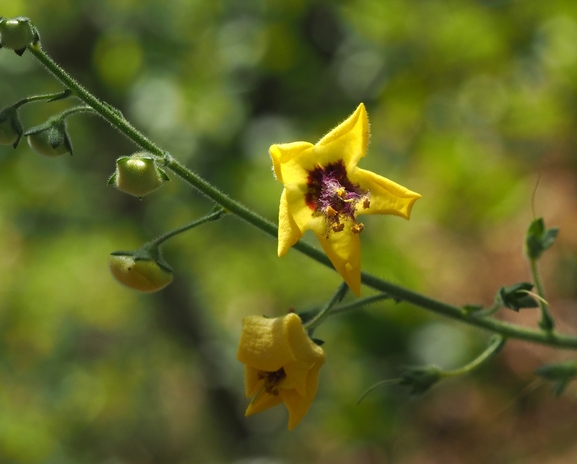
(137,175)
(50,139)
(144,275)
(560,374)
(17,33)
(420,379)
(515,296)
(10,127)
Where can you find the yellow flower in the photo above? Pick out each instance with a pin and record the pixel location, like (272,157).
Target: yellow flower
(325,191)
(281,364)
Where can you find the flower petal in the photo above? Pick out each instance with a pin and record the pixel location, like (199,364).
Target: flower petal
(283,153)
(306,352)
(262,401)
(344,250)
(300,213)
(264,343)
(298,405)
(348,141)
(386,196)
(288,231)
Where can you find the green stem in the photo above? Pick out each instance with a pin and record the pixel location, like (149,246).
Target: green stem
(394,291)
(358,304)
(494,347)
(546,323)
(163,238)
(112,115)
(311,325)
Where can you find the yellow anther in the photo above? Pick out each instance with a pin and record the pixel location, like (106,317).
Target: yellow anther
(330,211)
(357,228)
(338,227)
(341,192)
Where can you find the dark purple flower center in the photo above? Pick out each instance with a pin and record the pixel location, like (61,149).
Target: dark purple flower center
(331,193)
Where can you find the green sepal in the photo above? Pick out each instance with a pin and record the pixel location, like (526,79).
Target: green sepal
(318,342)
(146,253)
(112,179)
(420,379)
(54,134)
(539,239)
(61,96)
(559,373)
(515,296)
(163,174)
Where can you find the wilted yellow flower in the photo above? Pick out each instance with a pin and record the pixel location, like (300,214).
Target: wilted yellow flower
(281,364)
(325,191)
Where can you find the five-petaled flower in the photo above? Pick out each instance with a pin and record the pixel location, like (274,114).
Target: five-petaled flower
(325,191)
(281,364)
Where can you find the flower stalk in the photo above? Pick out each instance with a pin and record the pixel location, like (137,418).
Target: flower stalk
(324,312)
(399,293)
(546,323)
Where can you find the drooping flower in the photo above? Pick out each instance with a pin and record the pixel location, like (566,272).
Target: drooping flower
(325,191)
(281,364)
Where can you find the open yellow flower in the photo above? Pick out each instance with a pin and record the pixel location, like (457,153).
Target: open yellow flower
(325,191)
(281,364)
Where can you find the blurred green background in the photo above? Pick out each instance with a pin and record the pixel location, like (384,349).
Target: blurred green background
(472,104)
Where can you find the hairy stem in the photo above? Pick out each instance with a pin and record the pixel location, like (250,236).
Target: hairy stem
(115,118)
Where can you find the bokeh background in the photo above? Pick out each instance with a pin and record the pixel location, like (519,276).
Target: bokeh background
(473,104)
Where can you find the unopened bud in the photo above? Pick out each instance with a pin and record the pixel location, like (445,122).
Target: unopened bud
(17,33)
(50,139)
(137,175)
(10,127)
(144,275)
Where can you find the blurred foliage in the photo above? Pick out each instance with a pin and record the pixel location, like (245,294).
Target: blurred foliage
(472,102)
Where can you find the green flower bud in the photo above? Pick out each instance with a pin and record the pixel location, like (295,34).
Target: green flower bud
(515,296)
(50,139)
(560,374)
(539,239)
(137,175)
(420,379)
(17,33)
(144,275)
(10,127)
